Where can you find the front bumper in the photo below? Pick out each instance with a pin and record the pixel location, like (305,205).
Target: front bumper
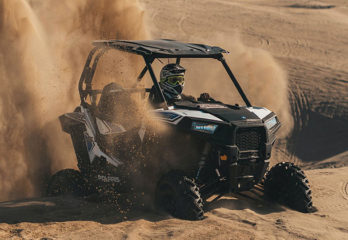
(244,169)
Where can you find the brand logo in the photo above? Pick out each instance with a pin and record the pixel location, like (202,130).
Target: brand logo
(108,178)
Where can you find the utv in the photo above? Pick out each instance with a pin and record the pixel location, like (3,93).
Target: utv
(211,148)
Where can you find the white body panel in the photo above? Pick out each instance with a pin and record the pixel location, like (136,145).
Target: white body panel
(92,146)
(260,112)
(184,113)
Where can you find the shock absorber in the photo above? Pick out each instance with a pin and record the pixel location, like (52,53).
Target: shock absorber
(203,160)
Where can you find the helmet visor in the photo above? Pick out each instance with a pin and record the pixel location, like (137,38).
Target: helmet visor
(176,80)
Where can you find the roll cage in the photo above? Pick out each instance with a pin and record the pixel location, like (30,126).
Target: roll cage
(150,50)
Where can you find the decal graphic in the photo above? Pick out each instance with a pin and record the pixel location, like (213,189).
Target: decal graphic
(108,178)
(204,127)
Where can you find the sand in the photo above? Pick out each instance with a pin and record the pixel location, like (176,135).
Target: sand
(245,216)
(309,40)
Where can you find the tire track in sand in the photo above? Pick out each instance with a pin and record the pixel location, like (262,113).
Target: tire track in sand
(344,190)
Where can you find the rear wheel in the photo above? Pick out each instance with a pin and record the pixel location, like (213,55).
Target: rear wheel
(179,196)
(286,183)
(66,182)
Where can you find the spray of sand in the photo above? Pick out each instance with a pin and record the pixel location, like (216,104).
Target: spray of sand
(42,51)
(43,47)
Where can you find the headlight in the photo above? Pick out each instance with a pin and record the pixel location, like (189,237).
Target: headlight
(271,122)
(204,127)
(169,116)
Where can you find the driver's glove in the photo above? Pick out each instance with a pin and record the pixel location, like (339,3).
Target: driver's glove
(204,97)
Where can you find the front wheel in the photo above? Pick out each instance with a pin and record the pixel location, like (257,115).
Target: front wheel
(286,183)
(179,196)
(66,182)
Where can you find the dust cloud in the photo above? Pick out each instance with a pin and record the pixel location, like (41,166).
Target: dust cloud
(262,79)
(43,47)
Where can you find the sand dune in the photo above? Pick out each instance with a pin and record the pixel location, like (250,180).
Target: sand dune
(309,40)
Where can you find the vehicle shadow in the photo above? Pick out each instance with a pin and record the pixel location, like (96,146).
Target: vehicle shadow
(253,200)
(68,208)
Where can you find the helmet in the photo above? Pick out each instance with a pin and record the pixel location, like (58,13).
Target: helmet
(172,80)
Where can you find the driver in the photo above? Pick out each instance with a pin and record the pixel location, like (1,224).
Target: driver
(172,84)
(172,81)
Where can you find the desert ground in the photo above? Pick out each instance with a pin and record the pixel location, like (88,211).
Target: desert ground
(309,39)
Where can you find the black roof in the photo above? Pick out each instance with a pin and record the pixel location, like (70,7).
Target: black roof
(163,48)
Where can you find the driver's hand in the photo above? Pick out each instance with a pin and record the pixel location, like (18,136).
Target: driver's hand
(204,97)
